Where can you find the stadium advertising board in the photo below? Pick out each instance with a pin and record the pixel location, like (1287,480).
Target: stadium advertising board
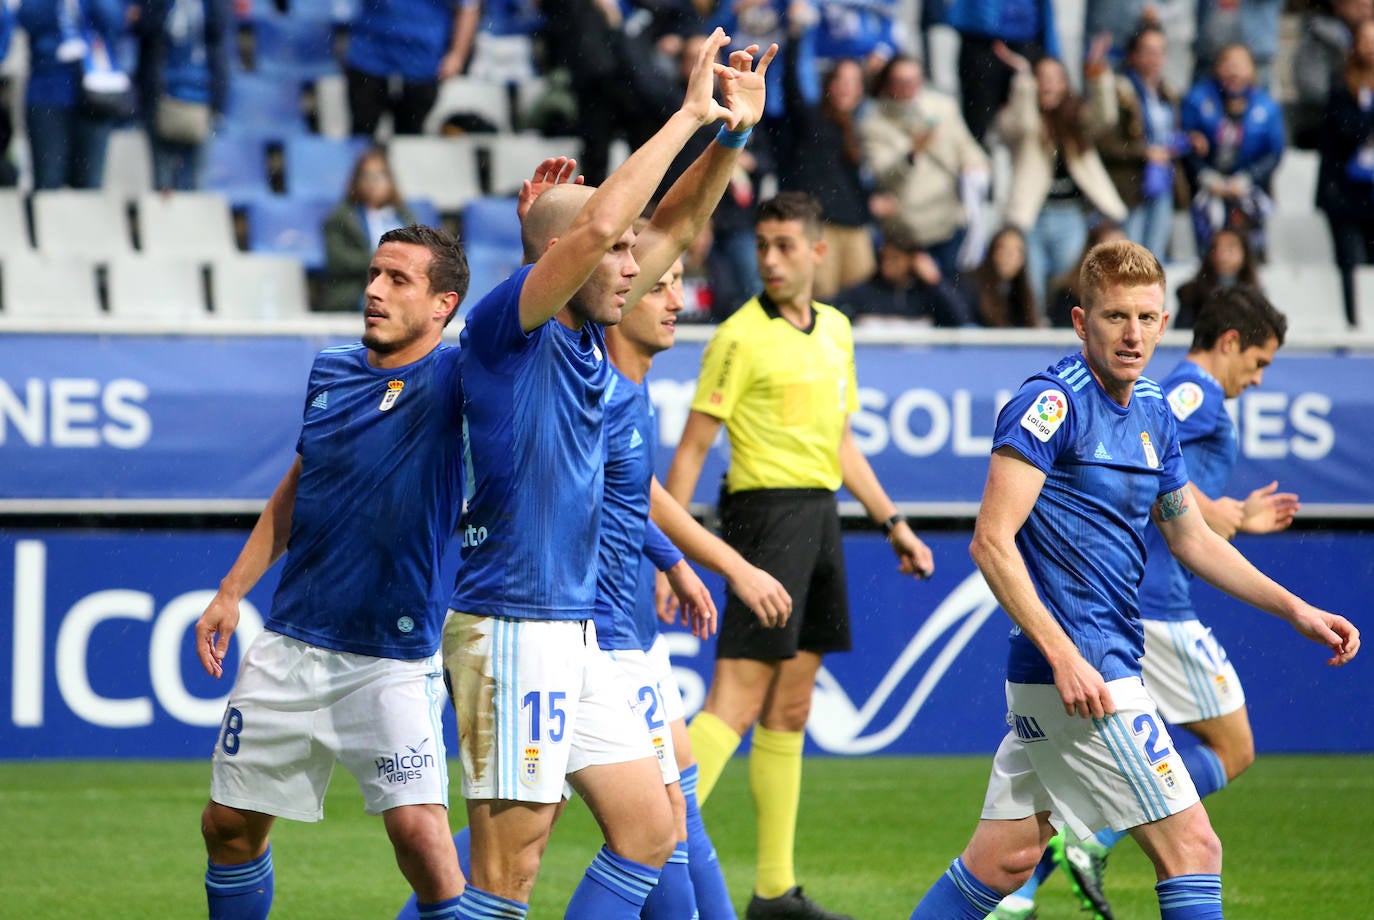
(97,657)
(215,419)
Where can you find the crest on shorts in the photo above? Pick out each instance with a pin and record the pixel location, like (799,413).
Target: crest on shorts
(529,766)
(1223,687)
(393,393)
(660,748)
(1167,780)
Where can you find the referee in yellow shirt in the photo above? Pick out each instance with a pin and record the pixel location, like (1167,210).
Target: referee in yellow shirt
(779,374)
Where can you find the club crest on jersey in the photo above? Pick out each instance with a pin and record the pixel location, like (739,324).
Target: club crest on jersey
(1046,414)
(393,393)
(529,769)
(1151,457)
(1184,399)
(1167,780)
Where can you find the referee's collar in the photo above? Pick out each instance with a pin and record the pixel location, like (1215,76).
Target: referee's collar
(771,309)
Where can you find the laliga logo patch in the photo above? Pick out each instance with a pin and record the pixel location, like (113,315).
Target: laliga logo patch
(1046,414)
(660,748)
(529,774)
(393,393)
(1184,399)
(1167,780)
(1223,687)
(1151,457)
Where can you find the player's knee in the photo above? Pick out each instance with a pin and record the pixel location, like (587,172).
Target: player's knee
(679,808)
(414,835)
(652,838)
(1236,758)
(229,838)
(1200,849)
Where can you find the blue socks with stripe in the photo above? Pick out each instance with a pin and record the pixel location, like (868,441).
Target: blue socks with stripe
(614,888)
(713,898)
(1190,897)
(1203,764)
(242,892)
(476,904)
(957,896)
(672,898)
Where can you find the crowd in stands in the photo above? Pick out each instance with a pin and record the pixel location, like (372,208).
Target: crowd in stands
(322,123)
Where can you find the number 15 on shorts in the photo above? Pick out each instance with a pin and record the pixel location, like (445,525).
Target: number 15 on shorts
(546,715)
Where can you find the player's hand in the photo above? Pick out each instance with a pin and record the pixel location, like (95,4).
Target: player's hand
(1226,516)
(1330,629)
(665,601)
(451,64)
(763,594)
(551,172)
(213,630)
(1267,510)
(742,85)
(1082,689)
(699,101)
(913,556)
(698,607)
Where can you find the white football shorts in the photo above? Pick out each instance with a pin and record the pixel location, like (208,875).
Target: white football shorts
(651,701)
(1116,772)
(1187,672)
(536,700)
(297,708)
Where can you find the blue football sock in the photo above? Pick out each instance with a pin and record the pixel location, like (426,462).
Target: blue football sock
(242,892)
(672,898)
(957,896)
(614,888)
(1190,897)
(462,842)
(1108,837)
(1203,764)
(439,910)
(713,898)
(476,904)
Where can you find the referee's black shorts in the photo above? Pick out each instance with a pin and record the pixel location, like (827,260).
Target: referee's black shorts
(793,535)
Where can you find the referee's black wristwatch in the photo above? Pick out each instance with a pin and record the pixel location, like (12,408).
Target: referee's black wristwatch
(891,523)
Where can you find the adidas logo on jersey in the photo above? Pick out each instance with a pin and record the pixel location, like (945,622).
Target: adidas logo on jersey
(1101,452)
(321,401)
(635,439)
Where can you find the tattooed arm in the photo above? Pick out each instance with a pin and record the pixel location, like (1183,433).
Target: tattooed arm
(1213,559)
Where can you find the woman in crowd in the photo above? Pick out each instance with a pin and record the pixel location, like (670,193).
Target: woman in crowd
(998,291)
(1227,262)
(371,207)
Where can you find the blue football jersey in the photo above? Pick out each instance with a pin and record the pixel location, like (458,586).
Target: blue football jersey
(1210,448)
(1084,542)
(626,532)
(381,481)
(533,420)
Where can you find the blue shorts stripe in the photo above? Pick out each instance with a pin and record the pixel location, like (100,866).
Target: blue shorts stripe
(1208,704)
(1128,762)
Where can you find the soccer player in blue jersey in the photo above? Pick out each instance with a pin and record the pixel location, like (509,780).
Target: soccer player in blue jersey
(347,668)
(536,698)
(1083,456)
(1185,669)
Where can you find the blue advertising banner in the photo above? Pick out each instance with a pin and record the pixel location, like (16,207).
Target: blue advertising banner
(97,658)
(216,419)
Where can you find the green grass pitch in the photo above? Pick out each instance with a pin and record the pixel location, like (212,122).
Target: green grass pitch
(121,840)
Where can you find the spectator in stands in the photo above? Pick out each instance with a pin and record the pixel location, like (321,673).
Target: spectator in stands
(1226,263)
(413,43)
(824,156)
(998,292)
(920,151)
(67,133)
(183,82)
(371,207)
(1319,66)
(1025,26)
(1139,152)
(1253,24)
(867,32)
(1345,182)
(9,175)
(1058,180)
(1235,131)
(1064,291)
(908,288)
(1121,19)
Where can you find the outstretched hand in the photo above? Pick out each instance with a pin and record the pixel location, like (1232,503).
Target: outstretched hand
(1332,630)
(699,100)
(213,630)
(742,85)
(551,172)
(1267,510)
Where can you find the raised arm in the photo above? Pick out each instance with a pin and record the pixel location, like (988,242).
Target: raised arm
(612,208)
(913,556)
(1220,564)
(761,592)
(688,205)
(1012,489)
(265,545)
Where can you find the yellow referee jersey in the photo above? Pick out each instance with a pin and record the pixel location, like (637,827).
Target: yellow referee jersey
(783,394)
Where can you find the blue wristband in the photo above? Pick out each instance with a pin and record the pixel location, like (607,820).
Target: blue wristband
(733,140)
